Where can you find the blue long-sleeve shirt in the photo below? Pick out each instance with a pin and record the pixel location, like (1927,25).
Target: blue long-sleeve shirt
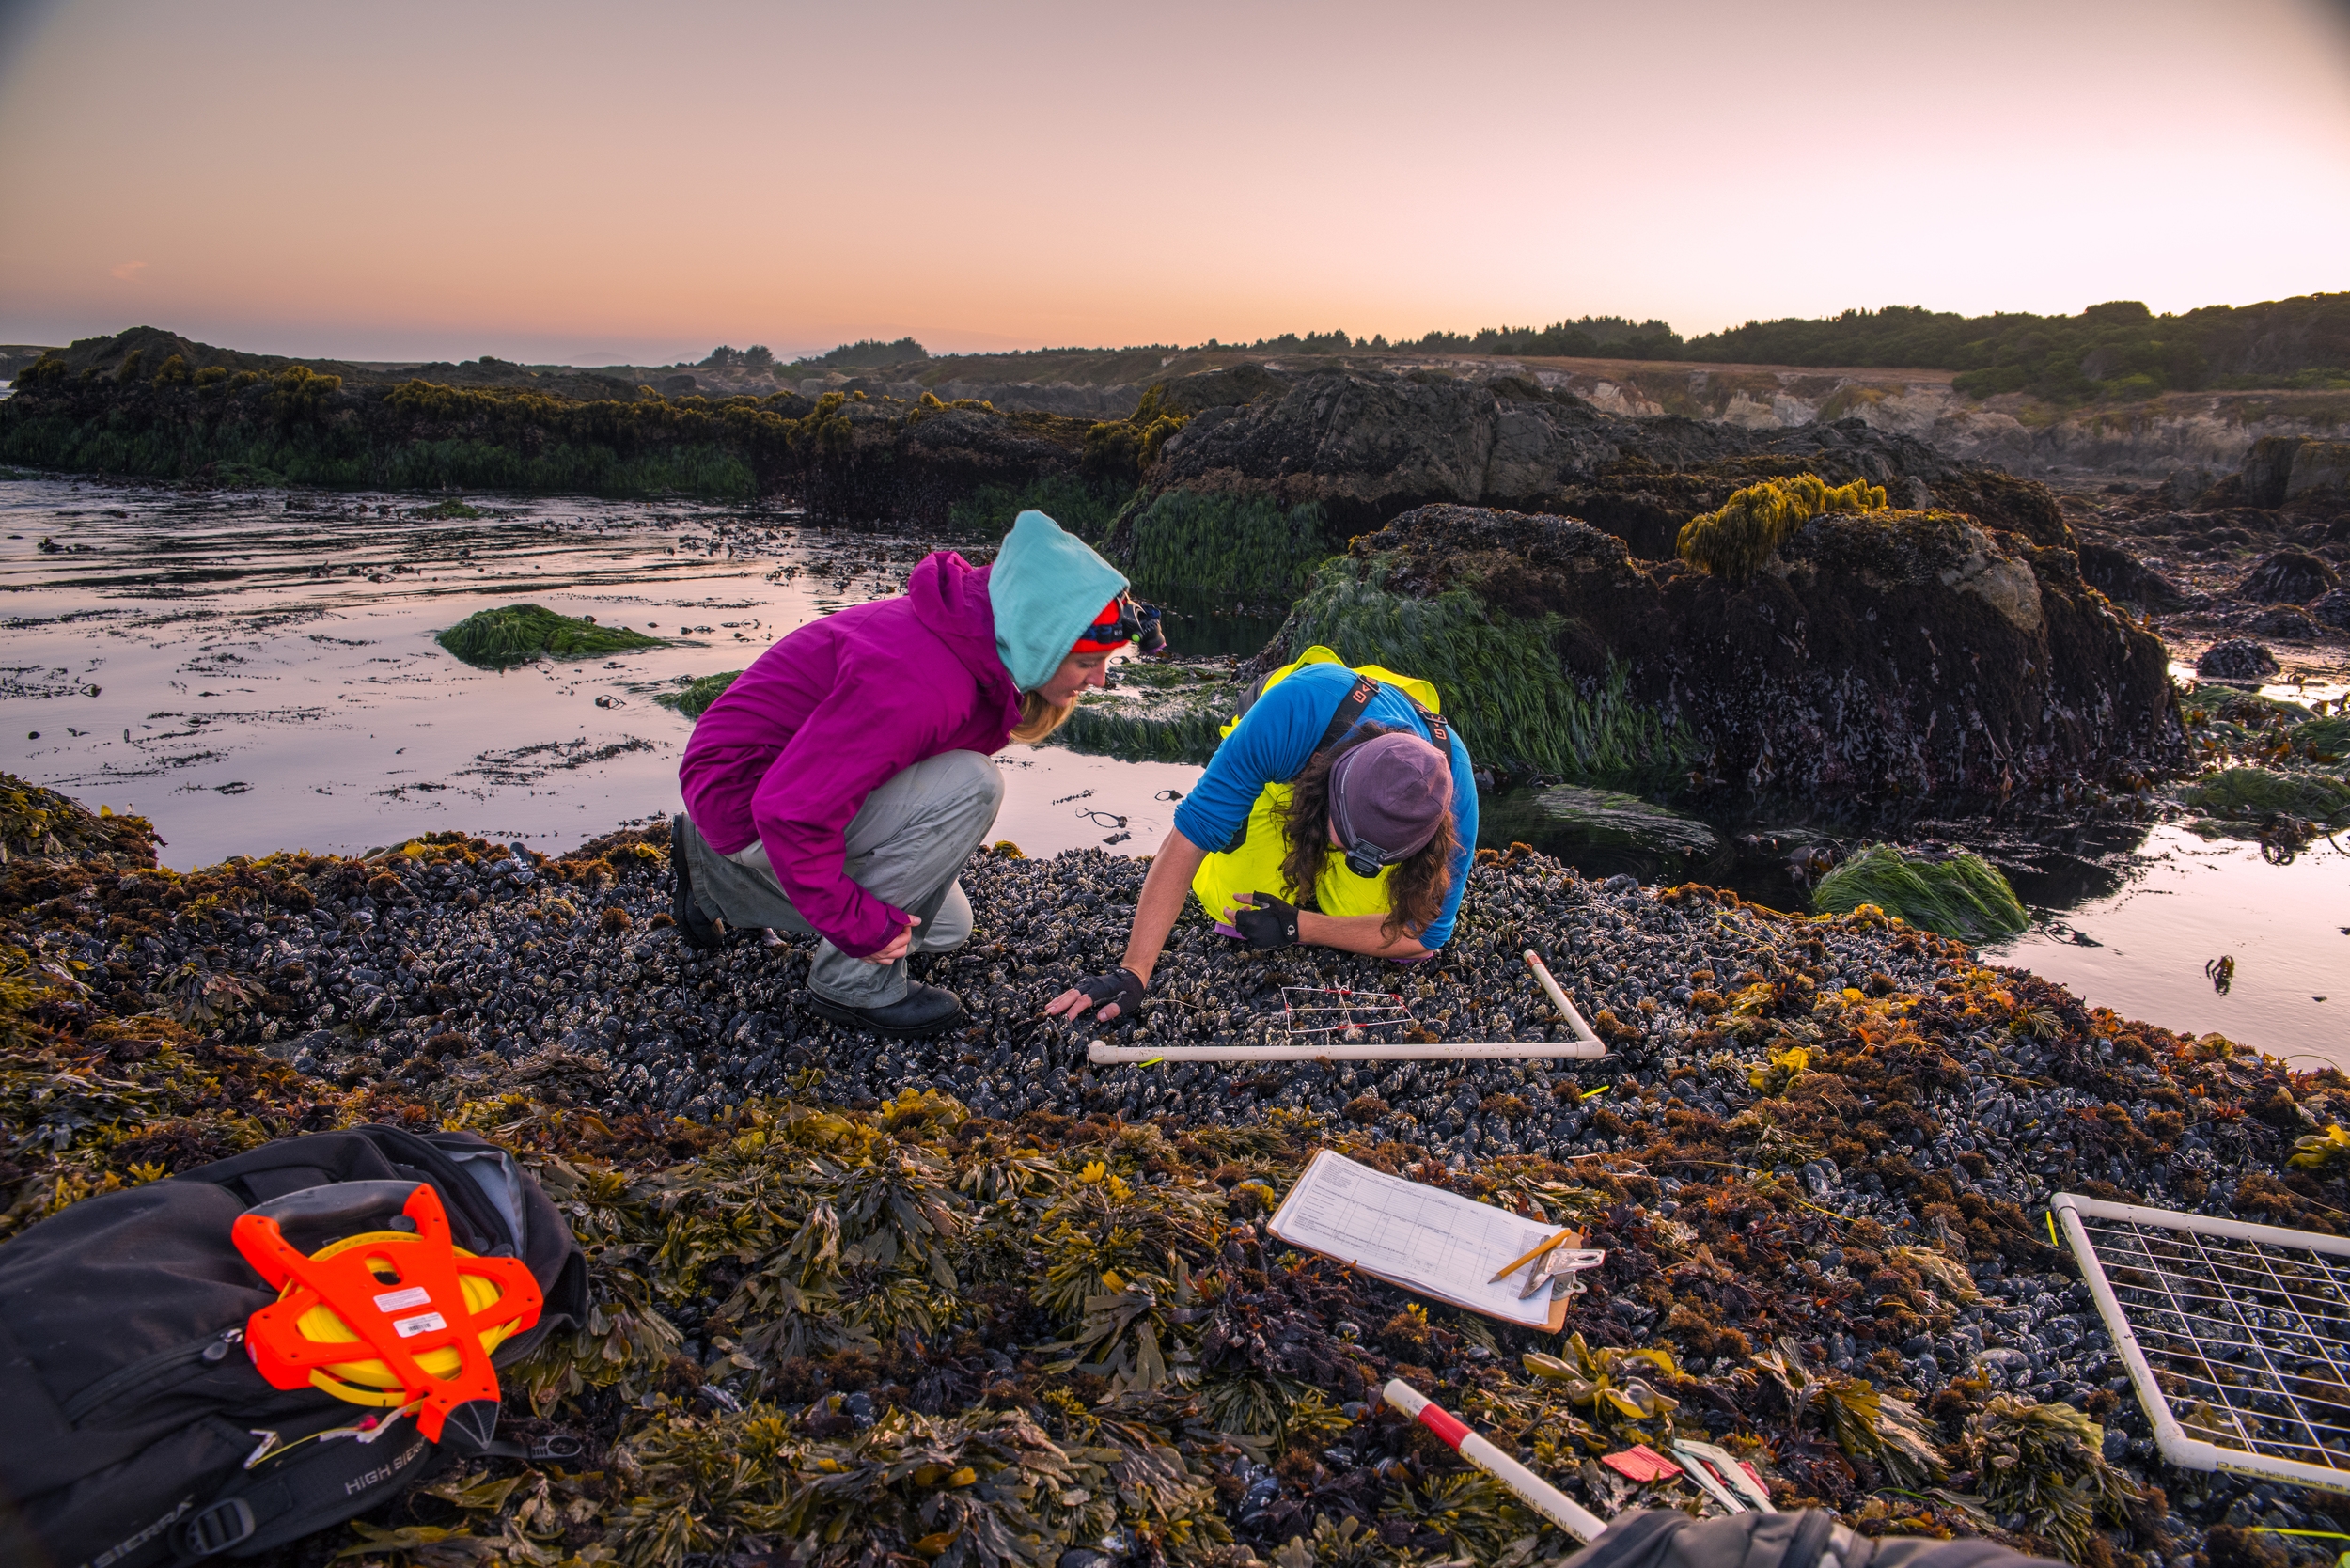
(1276,739)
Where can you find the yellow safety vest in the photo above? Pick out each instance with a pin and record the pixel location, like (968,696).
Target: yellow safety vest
(1255,866)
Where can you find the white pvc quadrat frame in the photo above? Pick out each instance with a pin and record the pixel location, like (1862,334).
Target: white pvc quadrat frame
(1584,1047)
(2207,1293)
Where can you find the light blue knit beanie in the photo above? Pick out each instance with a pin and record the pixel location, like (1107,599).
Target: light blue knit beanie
(1046,588)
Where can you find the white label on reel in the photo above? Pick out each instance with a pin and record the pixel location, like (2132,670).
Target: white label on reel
(423,1323)
(394,1301)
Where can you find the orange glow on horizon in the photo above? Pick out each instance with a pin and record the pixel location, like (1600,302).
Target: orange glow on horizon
(595,182)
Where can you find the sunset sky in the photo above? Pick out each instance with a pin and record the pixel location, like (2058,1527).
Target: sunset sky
(595,182)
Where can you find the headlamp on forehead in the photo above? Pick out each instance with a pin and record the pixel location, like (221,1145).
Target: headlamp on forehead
(1116,625)
(1365,858)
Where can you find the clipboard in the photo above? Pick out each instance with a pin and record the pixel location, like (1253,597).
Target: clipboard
(1416,1237)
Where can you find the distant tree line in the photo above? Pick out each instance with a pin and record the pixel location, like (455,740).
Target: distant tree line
(1613,336)
(866,351)
(2118,350)
(757,357)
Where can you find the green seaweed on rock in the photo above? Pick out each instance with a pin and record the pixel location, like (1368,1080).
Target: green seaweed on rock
(2255,794)
(2047,1462)
(1183,736)
(1959,895)
(1503,684)
(1084,507)
(516,633)
(1222,549)
(2325,734)
(696,692)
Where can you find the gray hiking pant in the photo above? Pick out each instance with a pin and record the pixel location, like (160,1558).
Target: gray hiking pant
(906,846)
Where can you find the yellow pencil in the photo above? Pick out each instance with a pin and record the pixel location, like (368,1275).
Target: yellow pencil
(1529,1257)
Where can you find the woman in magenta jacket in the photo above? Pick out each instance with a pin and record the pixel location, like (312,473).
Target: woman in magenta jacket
(840,783)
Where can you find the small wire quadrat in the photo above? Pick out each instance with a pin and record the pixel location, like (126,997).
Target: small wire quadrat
(1309,1011)
(2236,1336)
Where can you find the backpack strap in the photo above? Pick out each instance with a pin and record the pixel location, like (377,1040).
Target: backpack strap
(1350,714)
(1439,735)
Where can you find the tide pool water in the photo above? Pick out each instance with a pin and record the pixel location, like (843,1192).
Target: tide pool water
(253,674)
(2185,903)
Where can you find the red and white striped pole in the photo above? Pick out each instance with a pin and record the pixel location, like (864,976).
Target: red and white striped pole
(1540,1495)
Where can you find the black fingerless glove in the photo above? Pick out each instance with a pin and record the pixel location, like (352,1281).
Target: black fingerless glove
(1270,924)
(1122,986)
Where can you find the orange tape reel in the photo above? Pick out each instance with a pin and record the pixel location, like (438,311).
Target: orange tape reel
(429,1312)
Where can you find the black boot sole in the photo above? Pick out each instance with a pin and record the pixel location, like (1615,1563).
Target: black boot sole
(857,1018)
(692,924)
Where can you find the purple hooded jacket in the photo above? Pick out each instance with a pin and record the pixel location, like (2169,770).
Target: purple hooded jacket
(789,753)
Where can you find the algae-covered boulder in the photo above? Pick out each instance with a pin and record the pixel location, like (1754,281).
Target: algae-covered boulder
(1876,655)
(696,692)
(2236,659)
(38,824)
(2287,577)
(517,634)
(1951,893)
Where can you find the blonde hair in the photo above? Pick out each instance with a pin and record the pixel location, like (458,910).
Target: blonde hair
(1039,718)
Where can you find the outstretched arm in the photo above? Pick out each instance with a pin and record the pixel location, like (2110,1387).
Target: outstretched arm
(1266,922)
(1358,934)
(1164,890)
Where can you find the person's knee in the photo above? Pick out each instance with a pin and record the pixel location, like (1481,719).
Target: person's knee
(971,783)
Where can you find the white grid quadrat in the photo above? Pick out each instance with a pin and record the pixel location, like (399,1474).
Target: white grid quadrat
(2236,1336)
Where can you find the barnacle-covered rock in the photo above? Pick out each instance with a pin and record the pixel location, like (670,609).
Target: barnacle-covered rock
(1877,655)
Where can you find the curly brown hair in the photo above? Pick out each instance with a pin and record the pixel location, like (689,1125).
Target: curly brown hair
(1416,893)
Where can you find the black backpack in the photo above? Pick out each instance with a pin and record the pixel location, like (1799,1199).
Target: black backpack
(1806,1538)
(138,1434)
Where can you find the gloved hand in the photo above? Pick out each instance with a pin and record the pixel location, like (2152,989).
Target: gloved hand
(1120,987)
(1270,923)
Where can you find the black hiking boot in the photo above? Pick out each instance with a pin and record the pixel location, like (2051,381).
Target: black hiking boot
(925,1009)
(698,929)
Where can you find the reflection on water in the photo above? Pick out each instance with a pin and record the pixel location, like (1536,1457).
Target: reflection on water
(2181,902)
(2125,914)
(1196,631)
(253,675)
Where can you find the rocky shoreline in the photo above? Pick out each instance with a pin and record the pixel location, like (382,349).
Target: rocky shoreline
(1819,1154)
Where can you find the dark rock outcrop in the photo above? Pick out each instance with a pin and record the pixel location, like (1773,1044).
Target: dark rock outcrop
(913,464)
(1880,655)
(2288,577)
(2280,468)
(150,403)
(2118,575)
(1369,446)
(2236,659)
(2288,621)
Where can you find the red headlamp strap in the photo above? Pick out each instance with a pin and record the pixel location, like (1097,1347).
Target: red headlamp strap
(1116,626)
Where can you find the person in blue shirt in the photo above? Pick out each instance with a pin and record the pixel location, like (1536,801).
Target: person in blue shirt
(1338,789)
